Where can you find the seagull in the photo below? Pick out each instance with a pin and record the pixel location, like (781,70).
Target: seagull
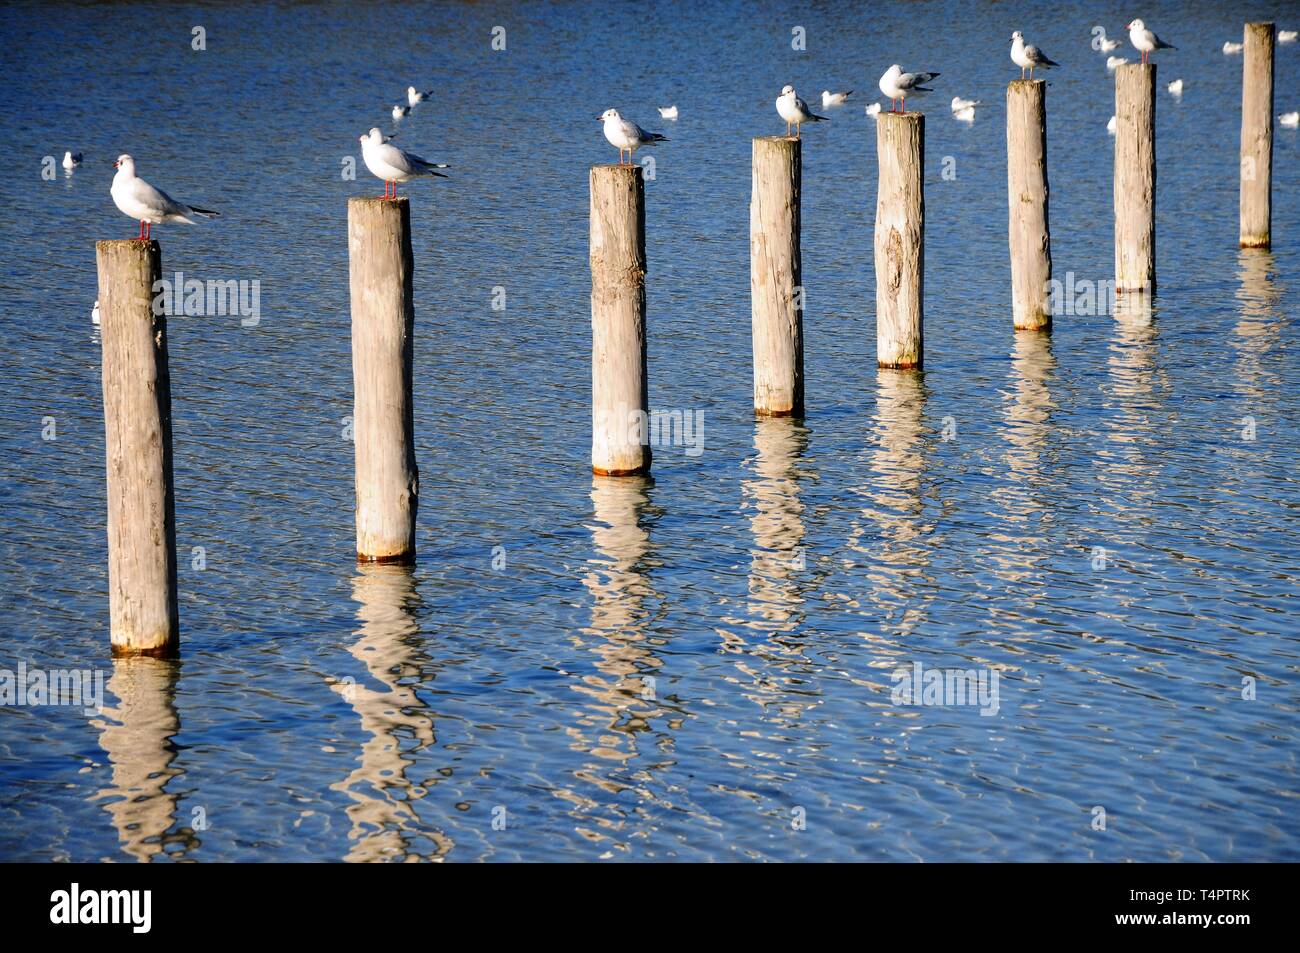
(1110,126)
(1146,41)
(1028,57)
(414,97)
(1230,48)
(898,85)
(958,104)
(1287,36)
(626,135)
(139,200)
(71,161)
(667,112)
(392,164)
(1175,88)
(794,110)
(1106,45)
(873,110)
(1115,61)
(94,314)
(1290,120)
(400,111)
(965,115)
(830,99)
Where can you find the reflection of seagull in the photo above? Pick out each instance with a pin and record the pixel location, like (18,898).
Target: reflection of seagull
(1145,41)
(667,112)
(898,85)
(834,99)
(1290,120)
(393,165)
(965,115)
(794,110)
(626,135)
(1230,48)
(1028,57)
(139,200)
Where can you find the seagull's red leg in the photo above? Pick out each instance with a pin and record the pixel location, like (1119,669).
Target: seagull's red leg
(148,230)
(904,104)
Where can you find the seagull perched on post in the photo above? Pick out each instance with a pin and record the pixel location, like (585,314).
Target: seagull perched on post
(1145,41)
(392,164)
(149,206)
(625,135)
(898,85)
(1028,57)
(794,110)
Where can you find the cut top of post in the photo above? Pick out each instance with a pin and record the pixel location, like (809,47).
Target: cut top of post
(912,117)
(1027,82)
(379,200)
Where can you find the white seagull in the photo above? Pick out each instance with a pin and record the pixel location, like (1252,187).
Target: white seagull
(1027,57)
(794,110)
(1105,46)
(1287,36)
(71,161)
(392,164)
(1175,88)
(958,104)
(1230,49)
(414,97)
(667,112)
(1145,41)
(1290,120)
(873,110)
(626,135)
(400,111)
(139,200)
(830,99)
(1110,126)
(94,314)
(1115,61)
(965,115)
(898,85)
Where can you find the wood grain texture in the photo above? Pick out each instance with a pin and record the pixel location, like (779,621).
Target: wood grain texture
(1135,178)
(775,276)
(900,240)
(1027,200)
(1257,136)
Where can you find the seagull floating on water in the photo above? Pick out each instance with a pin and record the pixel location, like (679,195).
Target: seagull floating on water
(139,200)
(965,115)
(1145,41)
(1287,36)
(1110,126)
(392,164)
(873,110)
(414,97)
(794,110)
(1112,62)
(958,104)
(1176,87)
(400,111)
(626,135)
(1105,46)
(830,99)
(1028,57)
(667,112)
(1230,49)
(94,314)
(71,161)
(898,85)
(1290,120)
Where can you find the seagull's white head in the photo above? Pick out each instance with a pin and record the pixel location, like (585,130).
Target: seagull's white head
(895,70)
(410,90)
(125,163)
(608,114)
(1017,36)
(1136,25)
(787,90)
(373,138)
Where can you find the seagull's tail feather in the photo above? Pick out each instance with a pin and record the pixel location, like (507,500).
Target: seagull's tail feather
(812,117)
(1047,62)
(203,211)
(657,137)
(922,89)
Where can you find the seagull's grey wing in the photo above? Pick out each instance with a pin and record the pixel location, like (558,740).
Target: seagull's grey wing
(155,199)
(1161,44)
(1038,57)
(426,166)
(395,157)
(915,80)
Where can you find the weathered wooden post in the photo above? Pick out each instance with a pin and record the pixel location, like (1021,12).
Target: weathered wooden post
(381,267)
(138,451)
(1027,194)
(1135,178)
(1257,137)
(900,239)
(619,392)
(775,281)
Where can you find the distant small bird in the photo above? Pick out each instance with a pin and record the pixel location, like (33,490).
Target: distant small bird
(1290,120)
(400,111)
(1230,49)
(794,110)
(392,164)
(414,97)
(139,200)
(1113,62)
(626,135)
(958,104)
(94,314)
(898,85)
(1110,126)
(1287,36)
(873,110)
(830,99)
(667,112)
(1145,41)
(965,115)
(71,161)
(1105,46)
(1028,57)
(1176,87)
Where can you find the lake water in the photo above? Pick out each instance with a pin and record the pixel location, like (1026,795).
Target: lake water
(698,666)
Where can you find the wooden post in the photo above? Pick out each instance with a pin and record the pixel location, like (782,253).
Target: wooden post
(381,266)
(1027,192)
(900,239)
(138,451)
(775,280)
(1135,178)
(619,392)
(1257,137)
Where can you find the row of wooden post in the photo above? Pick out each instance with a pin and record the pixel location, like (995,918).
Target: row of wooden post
(137,391)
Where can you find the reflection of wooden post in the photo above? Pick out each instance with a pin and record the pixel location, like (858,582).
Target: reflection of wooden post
(381,269)
(138,450)
(1257,137)
(1135,178)
(774,276)
(900,239)
(1027,191)
(619,439)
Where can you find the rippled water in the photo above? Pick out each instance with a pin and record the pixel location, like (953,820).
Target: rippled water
(696,666)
